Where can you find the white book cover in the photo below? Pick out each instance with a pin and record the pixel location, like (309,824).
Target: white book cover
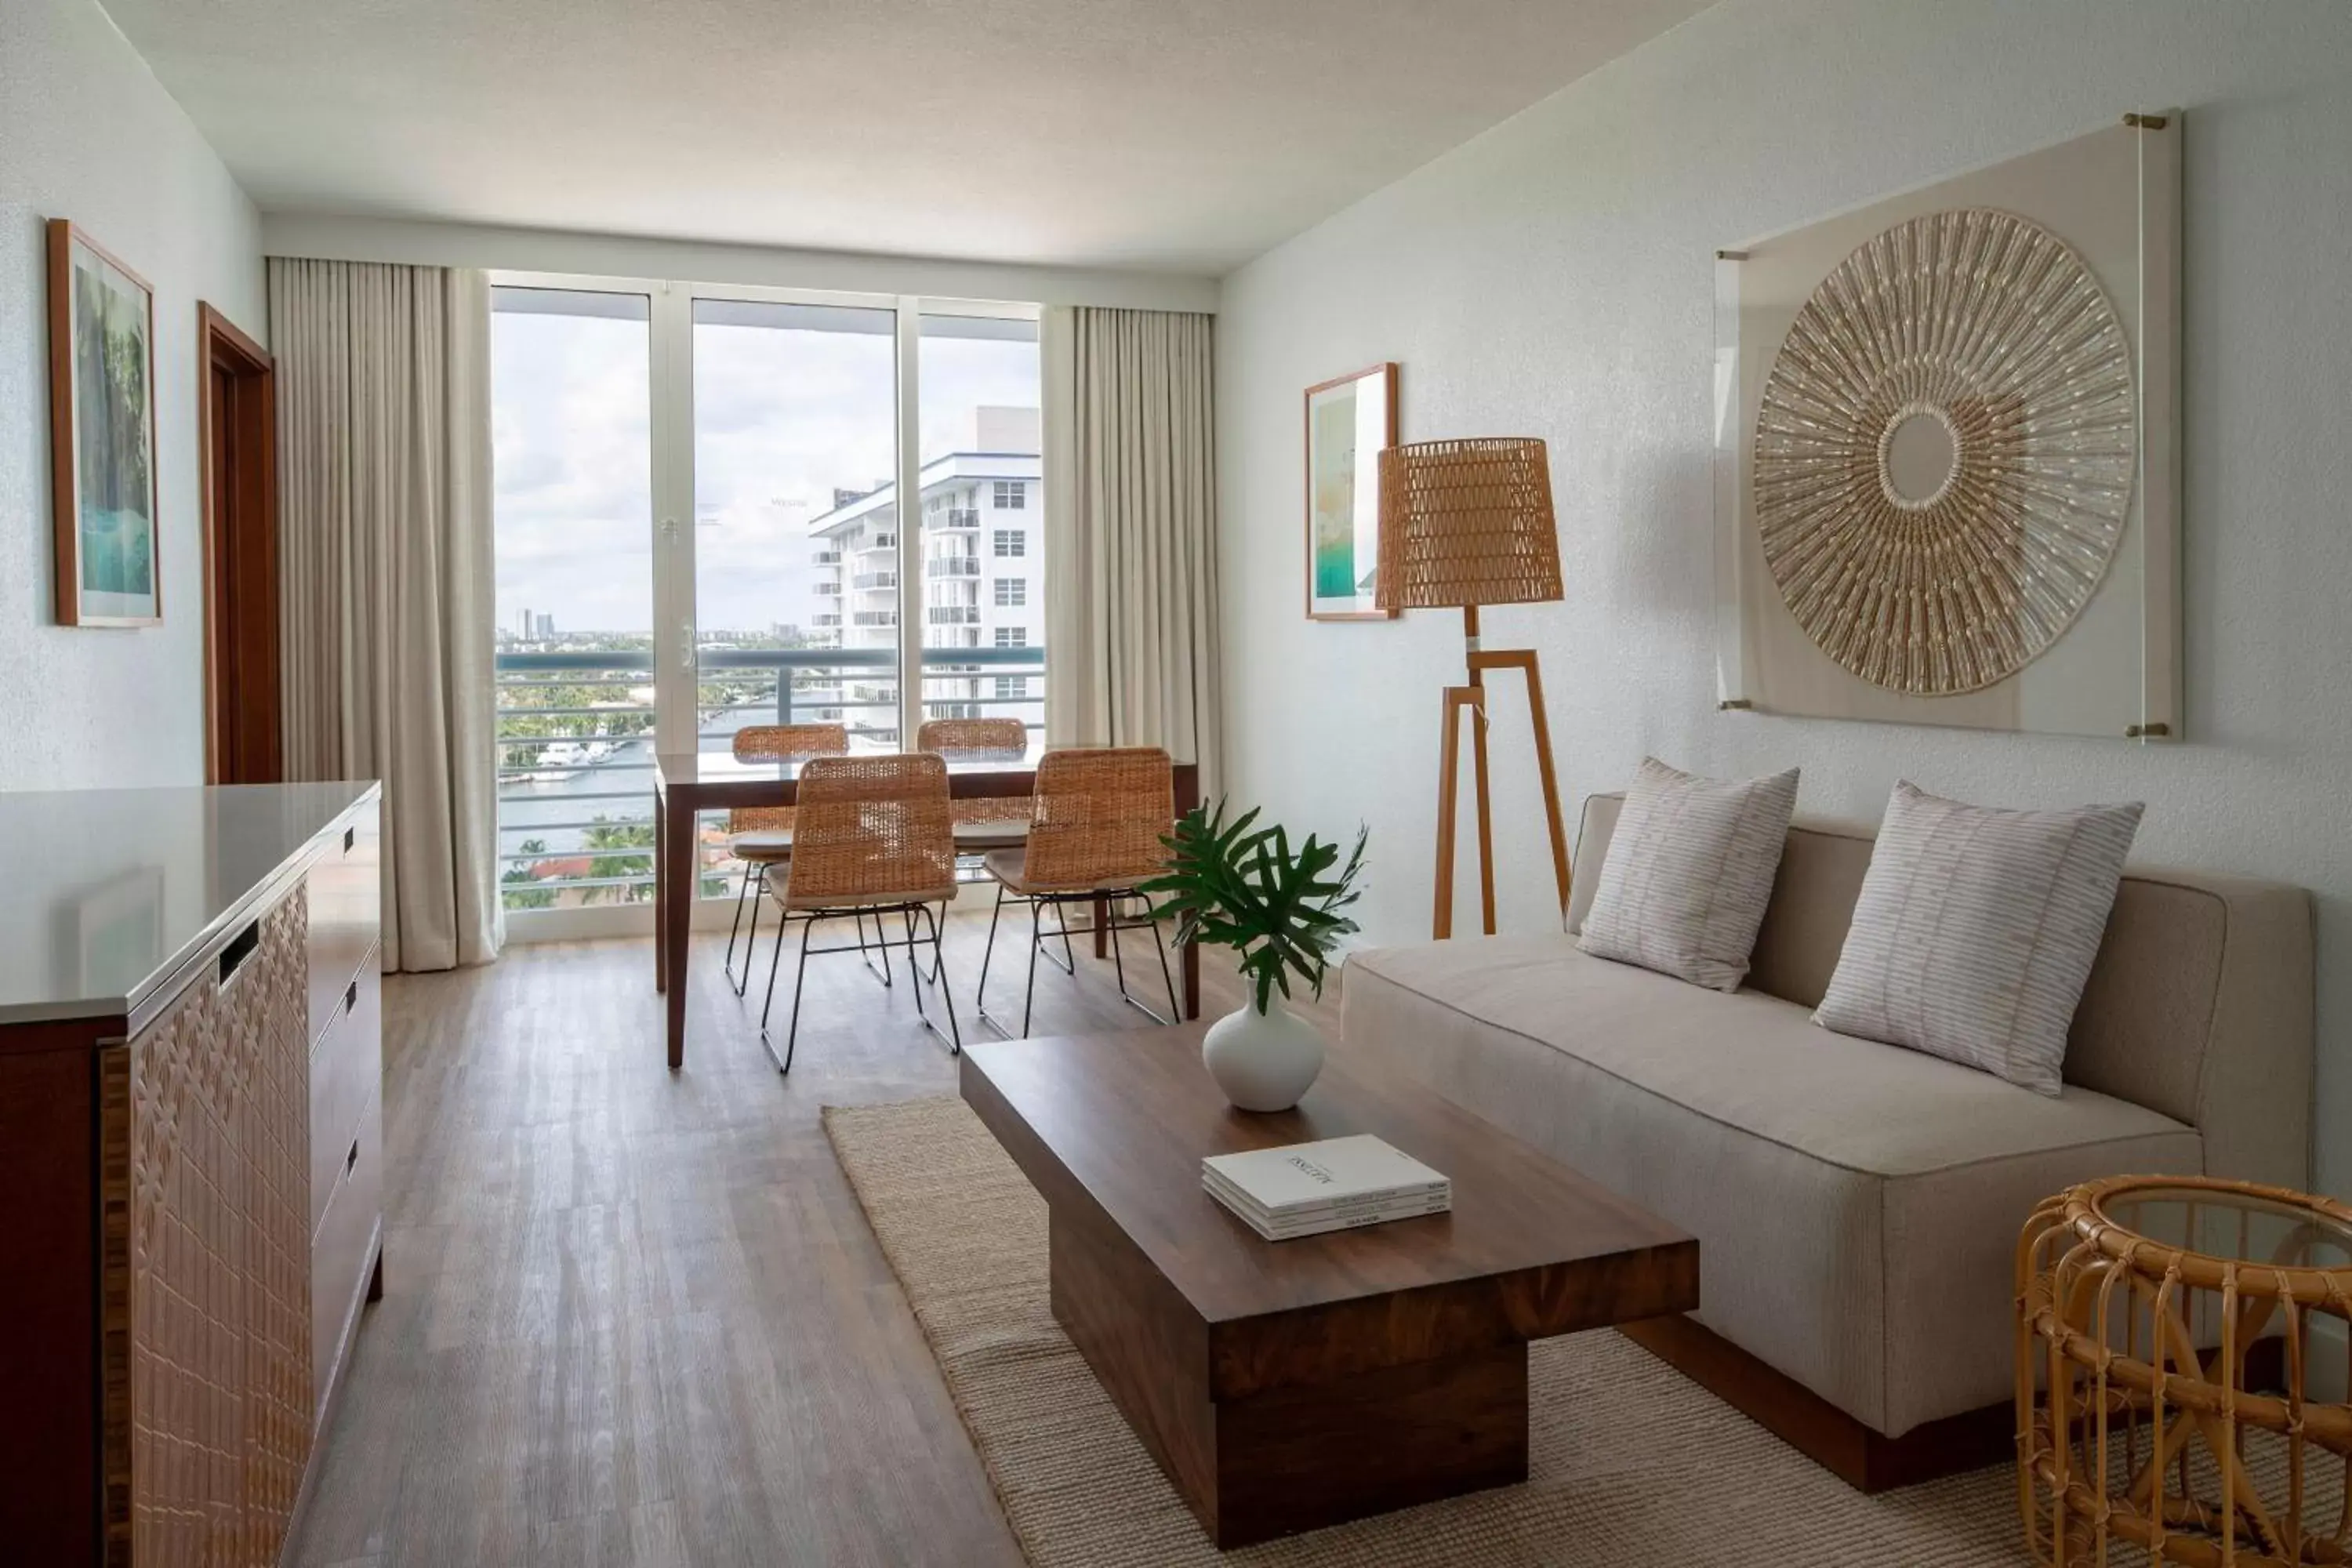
(1287,1179)
(1233,1197)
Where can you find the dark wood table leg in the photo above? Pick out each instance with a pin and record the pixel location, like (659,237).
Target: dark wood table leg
(661,898)
(1102,928)
(674,877)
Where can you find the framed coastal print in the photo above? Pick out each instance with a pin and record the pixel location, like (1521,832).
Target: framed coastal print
(101,435)
(1348,420)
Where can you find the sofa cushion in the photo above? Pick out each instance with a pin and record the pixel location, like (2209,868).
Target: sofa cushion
(1976,929)
(1692,870)
(1856,1205)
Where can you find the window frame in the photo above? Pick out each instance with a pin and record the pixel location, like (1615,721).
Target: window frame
(676,650)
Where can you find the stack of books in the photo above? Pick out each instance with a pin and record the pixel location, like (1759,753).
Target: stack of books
(1307,1189)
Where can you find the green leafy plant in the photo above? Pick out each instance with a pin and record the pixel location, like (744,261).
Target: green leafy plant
(1241,886)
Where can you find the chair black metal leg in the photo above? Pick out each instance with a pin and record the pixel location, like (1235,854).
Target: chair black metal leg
(940,973)
(1175,1008)
(988,953)
(775,962)
(1118,964)
(726,966)
(751,937)
(912,967)
(1036,941)
(987,956)
(1067,964)
(881,939)
(799,984)
(914,970)
(1117,924)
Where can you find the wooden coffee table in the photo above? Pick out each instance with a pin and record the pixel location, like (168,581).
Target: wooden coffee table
(1288,1385)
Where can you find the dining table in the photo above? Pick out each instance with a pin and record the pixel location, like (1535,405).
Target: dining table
(688,783)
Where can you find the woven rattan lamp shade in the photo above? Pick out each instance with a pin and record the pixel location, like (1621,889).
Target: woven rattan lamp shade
(1466,522)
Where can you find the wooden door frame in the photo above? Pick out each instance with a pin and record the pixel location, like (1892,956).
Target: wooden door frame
(252,524)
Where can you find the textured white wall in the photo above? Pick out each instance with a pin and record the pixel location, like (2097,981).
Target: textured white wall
(87,133)
(1555,278)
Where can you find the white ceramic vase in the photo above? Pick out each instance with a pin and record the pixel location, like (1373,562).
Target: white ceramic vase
(1263,1061)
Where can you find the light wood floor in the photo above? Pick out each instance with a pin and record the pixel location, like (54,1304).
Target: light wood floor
(636,1318)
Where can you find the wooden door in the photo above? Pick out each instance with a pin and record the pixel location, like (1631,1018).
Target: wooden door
(239,400)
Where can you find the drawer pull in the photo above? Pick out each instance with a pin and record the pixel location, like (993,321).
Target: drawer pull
(240,947)
(351,836)
(351,1160)
(351,995)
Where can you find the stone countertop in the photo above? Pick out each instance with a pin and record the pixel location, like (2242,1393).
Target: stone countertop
(106,894)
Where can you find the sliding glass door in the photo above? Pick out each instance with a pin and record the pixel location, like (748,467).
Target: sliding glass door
(700,526)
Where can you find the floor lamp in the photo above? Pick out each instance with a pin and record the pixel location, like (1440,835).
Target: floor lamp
(1467,523)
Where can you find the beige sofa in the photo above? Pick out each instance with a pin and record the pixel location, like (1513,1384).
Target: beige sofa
(1857,1206)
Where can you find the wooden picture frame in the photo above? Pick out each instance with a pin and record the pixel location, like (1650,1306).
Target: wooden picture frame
(1343,489)
(103,493)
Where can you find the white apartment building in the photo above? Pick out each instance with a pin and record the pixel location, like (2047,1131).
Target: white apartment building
(984,583)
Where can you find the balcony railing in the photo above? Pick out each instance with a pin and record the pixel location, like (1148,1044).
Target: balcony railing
(873,618)
(826,586)
(575,737)
(825,558)
(955,517)
(832,619)
(952,566)
(953,615)
(864,581)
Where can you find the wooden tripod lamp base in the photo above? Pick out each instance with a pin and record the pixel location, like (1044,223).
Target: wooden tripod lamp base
(1470,700)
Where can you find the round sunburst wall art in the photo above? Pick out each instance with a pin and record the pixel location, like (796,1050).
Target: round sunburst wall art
(1944,455)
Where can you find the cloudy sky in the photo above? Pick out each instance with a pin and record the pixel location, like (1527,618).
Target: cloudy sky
(783,416)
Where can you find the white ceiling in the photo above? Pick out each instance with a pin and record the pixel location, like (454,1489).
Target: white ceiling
(1183,135)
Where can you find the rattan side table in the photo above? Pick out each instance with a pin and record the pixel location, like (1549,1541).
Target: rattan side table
(2142,1304)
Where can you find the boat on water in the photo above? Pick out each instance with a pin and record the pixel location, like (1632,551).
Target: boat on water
(561,760)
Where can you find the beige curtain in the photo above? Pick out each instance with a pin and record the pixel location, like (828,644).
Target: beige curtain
(385,577)
(1131,532)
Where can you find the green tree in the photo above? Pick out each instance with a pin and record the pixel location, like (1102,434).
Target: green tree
(620,849)
(522,881)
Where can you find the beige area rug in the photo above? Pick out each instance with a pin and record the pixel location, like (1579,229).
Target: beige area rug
(1631,1465)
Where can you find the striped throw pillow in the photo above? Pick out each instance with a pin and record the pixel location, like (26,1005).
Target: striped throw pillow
(1976,929)
(1688,873)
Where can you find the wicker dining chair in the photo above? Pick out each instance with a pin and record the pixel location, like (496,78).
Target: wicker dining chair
(874,837)
(762,836)
(1096,828)
(996,822)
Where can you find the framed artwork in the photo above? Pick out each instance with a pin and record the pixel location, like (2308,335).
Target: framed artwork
(1350,419)
(1947,450)
(101,435)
